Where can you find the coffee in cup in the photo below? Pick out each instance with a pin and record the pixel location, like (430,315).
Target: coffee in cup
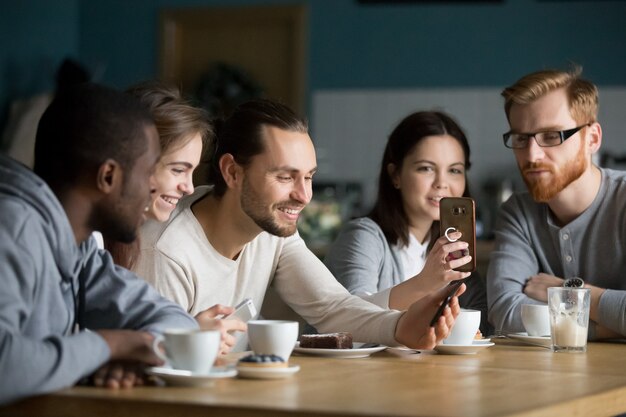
(465,328)
(273,337)
(536,319)
(193,350)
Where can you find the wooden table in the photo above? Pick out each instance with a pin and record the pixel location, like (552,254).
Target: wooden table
(508,379)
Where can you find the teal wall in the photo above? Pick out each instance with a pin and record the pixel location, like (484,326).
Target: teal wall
(382,46)
(488,44)
(35,36)
(351,45)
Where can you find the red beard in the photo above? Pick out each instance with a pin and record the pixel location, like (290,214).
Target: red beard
(544,188)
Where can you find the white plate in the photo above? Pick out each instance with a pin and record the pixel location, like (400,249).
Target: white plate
(266,373)
(543,341)
(357,351)
(187,378)
(475,347)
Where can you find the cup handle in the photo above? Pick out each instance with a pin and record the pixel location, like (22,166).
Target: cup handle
(156,347)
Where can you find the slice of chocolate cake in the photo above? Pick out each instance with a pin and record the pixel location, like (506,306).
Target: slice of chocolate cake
(341,340)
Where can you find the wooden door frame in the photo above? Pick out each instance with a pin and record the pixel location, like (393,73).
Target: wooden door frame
(172,21)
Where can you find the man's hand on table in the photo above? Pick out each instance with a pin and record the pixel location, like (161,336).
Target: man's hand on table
(130,352)
(119,375)
(131,345)
(536,287)
(413,329)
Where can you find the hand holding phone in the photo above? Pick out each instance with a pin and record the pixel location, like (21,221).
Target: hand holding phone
(458,214)
(244,311)
(454,286)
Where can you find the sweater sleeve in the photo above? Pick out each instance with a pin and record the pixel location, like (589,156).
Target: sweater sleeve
(38,356)
(512,262)
(356,258)
(310,289)
(129,302)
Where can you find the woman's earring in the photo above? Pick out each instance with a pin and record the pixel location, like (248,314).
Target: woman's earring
(396,186)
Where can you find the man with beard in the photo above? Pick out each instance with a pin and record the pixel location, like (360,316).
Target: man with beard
(233,240)
(65,309)
(570,227)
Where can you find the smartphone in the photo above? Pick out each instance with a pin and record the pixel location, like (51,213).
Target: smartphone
(244,311)
(458,213)
(454,286)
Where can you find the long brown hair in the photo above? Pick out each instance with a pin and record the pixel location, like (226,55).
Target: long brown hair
(388,211)
(177,122)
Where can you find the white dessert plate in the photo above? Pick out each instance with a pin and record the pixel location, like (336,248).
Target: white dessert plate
(358,351)
(543,341)
(187,378)
(266,373)
(475,347)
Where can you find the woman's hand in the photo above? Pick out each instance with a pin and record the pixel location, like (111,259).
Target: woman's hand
(208,319)
(444,256)
(436,274)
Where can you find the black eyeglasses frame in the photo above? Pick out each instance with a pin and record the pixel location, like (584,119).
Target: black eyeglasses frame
(564,135)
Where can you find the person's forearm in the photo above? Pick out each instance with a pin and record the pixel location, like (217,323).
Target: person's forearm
(596,294)
(406,293)
(604,333)
(601,332)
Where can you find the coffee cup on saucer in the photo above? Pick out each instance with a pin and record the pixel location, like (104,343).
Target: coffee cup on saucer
(188,349)
(464,328)
(536,319)
(273,337)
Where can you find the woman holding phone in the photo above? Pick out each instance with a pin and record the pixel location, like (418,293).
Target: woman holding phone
(395,255)
(184,130)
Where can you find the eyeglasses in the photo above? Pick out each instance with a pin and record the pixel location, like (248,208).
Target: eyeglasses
(544,139)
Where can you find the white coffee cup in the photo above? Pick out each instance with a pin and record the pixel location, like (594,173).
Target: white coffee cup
(465,327)
(536,319)
(273,337)
(188,349)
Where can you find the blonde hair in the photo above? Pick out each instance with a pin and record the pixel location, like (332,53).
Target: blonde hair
(582,95)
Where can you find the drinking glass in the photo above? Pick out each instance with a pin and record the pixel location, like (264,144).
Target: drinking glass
(569,318)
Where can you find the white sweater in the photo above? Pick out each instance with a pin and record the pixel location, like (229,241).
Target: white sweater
(179,261)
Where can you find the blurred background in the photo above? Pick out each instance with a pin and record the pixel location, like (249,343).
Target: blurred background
(354,68)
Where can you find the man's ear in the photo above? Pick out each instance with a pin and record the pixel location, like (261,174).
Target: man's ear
(231,170)
(109,176)
(594,134)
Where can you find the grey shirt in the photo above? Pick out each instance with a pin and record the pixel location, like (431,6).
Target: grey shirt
(593,247)
(40,266)
(365,263)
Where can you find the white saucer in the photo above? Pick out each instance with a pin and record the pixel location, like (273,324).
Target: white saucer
(356,352)
(187,378)
(475,347)
(266,373)
(543,341)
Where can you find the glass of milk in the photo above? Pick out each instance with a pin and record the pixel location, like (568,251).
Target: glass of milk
(569,318)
